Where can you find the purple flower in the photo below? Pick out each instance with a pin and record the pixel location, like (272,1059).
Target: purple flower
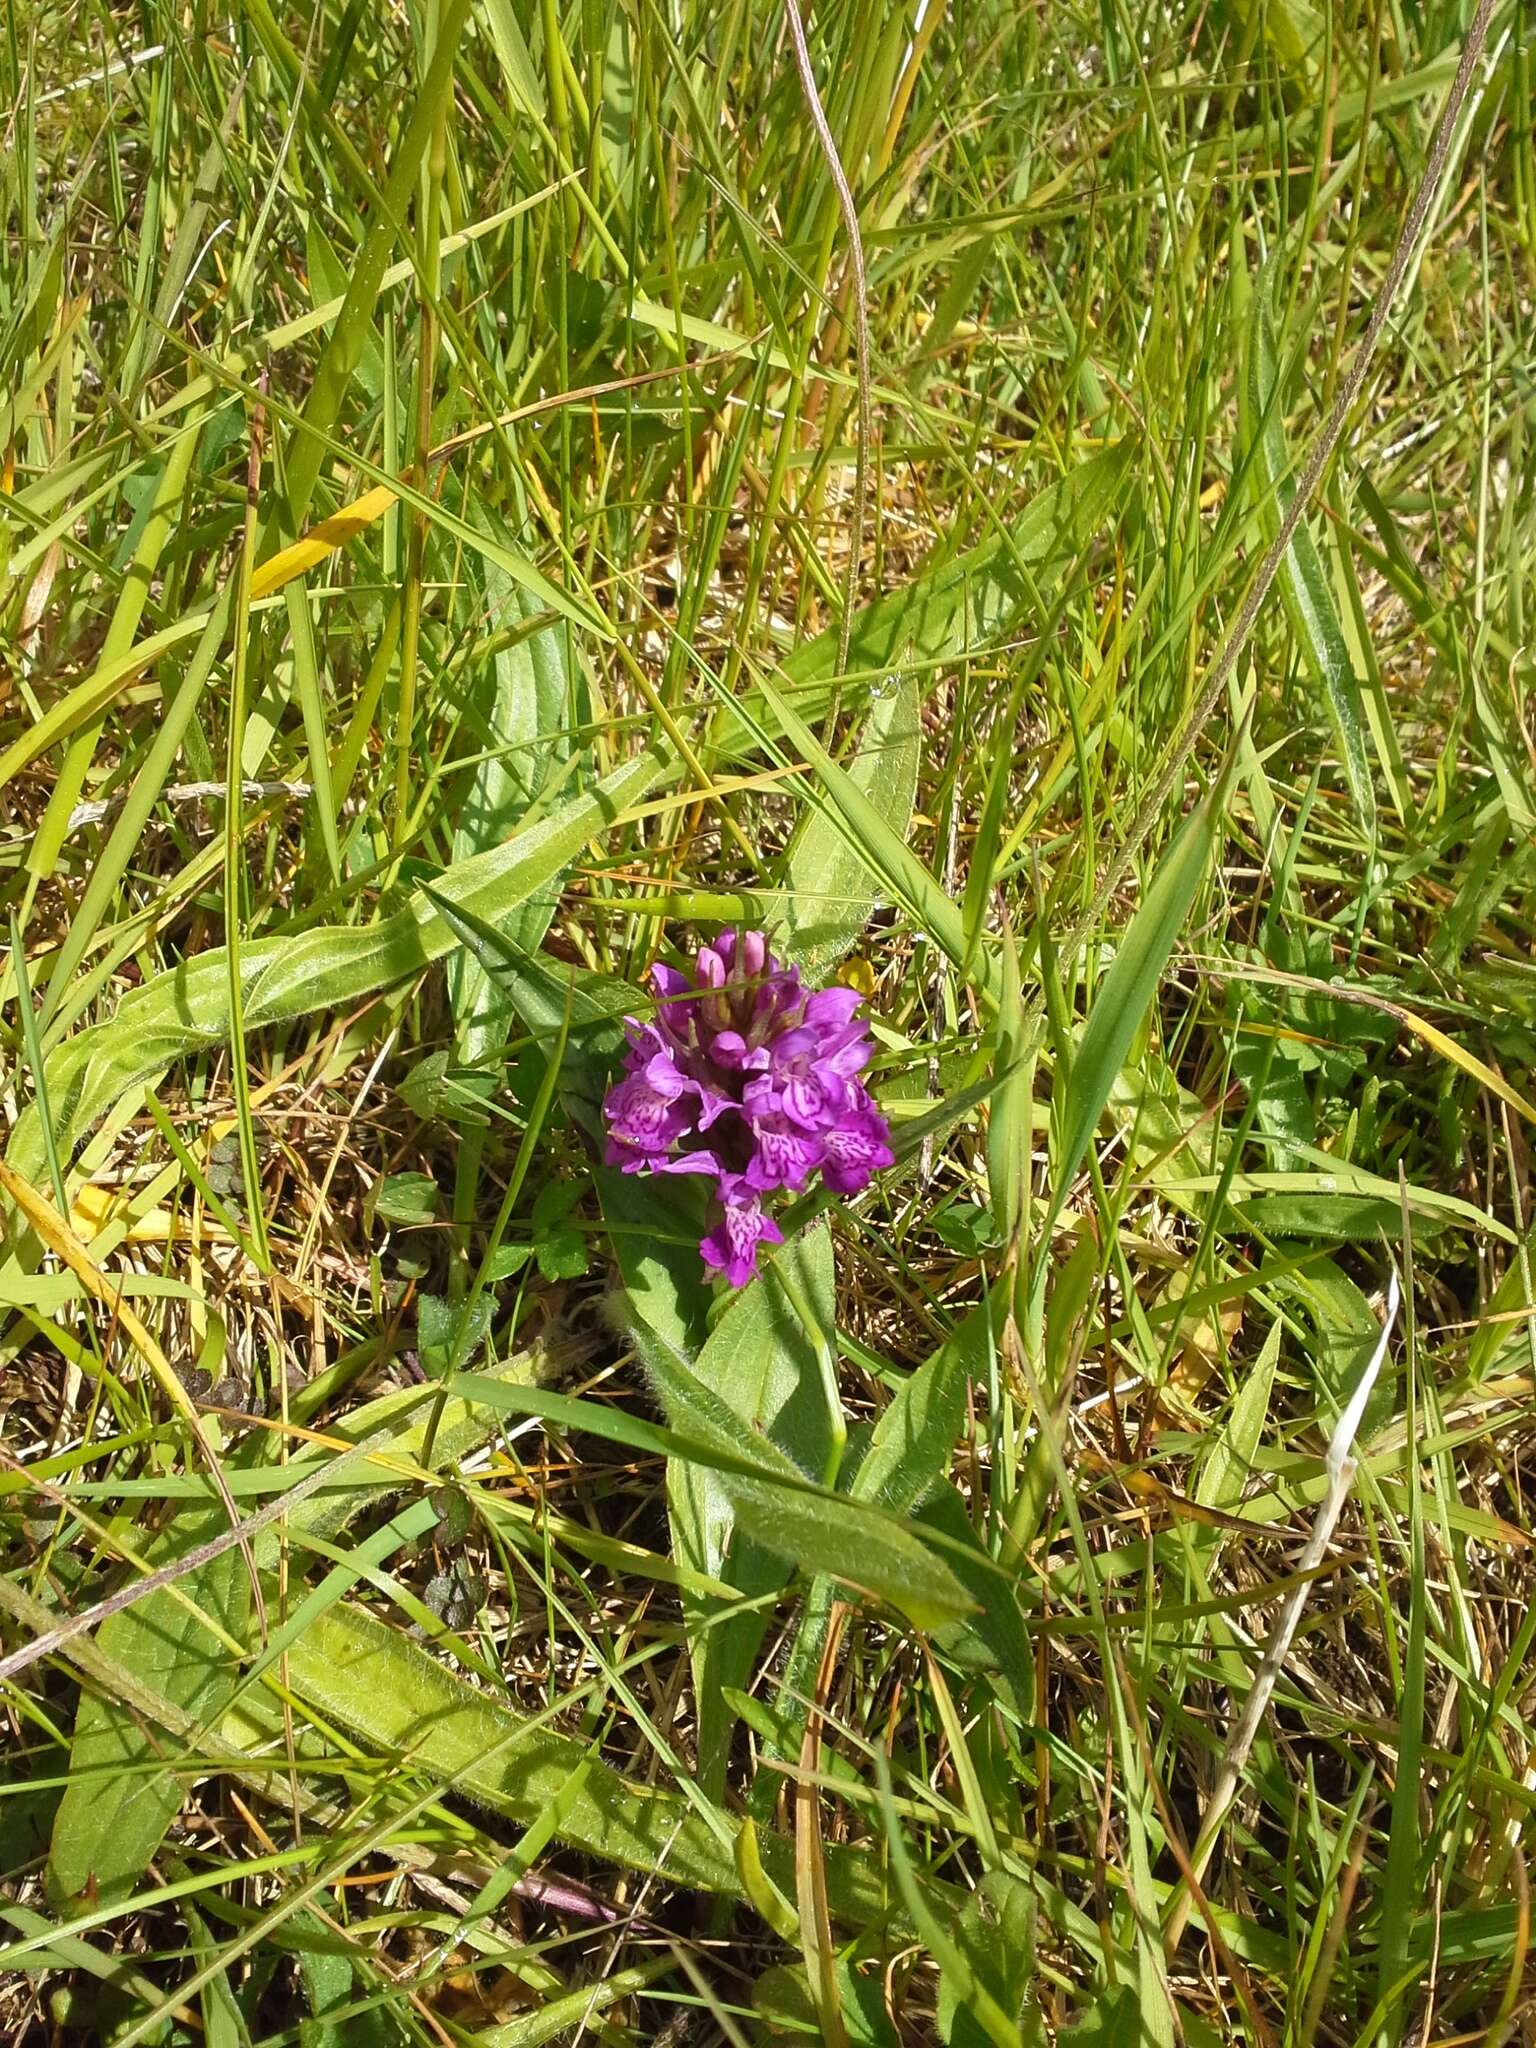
(749,1079)
(731,1247)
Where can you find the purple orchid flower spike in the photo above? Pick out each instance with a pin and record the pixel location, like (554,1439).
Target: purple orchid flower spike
(745,1077)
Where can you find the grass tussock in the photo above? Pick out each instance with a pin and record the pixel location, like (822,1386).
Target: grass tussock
(474,520)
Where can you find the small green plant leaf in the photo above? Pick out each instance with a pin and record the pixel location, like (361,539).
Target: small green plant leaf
(506,1260)
(443,1342)
(994,1948)
(408,1199)
(562,1255)
(518,711)
(992,1638)
(827,883)
(438,1092)
(967,1228)
(916,1435)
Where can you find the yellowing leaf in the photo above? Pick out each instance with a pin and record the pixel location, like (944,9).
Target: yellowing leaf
(322,540)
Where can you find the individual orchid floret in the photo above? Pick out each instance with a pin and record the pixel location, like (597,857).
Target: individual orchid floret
(731,1247)
(748,1079)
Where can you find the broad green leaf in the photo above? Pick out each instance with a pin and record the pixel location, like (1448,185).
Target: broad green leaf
(762,1363)
(958,295)
(1337,1190)
(1112,2021)
(34,1789)
(326,1970)
(917,1433)
(621,102)
(992,1638)
(827,884)
(121,1797)
(328,282)
(708,1419)
(1345,1333)
(399,1699)
(1294,29)
(1276,1084)
(1147,1101)
(518,711)
(1332,1219)
(875,1554)
(397,1695)
(655,1222)
(885,852)
(1226,1472)
(1303,578)
(326,968)
(448,1334)
(782,1999)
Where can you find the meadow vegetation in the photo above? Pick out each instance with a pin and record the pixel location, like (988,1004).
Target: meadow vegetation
(476,520)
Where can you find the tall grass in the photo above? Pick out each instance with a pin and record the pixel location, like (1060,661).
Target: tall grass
(455,549)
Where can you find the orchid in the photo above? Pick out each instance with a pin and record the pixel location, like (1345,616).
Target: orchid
(745,1077)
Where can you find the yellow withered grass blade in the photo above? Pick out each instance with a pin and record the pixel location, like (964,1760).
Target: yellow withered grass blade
(56,1234)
